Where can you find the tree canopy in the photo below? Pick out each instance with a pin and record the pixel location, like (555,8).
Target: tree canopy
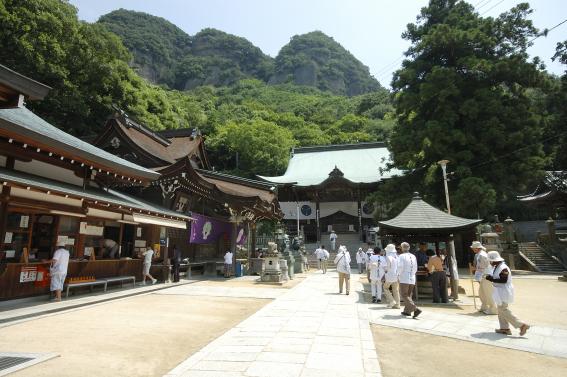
(462,95)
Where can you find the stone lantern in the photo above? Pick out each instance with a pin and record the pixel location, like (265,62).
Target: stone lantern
(272,271)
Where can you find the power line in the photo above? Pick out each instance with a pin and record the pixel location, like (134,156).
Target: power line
(492,7)
(546,31)
(477,6)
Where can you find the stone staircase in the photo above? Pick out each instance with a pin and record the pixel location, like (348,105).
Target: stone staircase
(350,240)
(539,258)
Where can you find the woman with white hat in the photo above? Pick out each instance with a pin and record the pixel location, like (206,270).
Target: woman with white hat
(482,269)
(503,295)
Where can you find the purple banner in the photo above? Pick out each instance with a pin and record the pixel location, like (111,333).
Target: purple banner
(206,229)
(241,236)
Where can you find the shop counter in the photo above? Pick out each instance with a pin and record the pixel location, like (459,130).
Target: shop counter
(18,280)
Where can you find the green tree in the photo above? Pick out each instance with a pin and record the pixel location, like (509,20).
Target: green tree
(461,95)
(473,197)
(262,147)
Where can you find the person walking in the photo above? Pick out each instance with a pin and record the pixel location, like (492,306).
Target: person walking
(361,260)
(322,256)
(342,261)
(333,238)
(391,277)
(438,277)
(176,261)
(148,256)
(377,263)
(482,269)
(407,267)
(228,264)
(58,269)
(369,253)
(501,279)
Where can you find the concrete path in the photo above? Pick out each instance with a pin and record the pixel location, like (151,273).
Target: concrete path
(308,331)
(476,328)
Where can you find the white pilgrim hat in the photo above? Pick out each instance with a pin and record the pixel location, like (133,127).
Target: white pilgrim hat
(477,245)
(494,256)
(390,248)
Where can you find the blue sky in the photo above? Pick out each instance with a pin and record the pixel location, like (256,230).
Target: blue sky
(370,29)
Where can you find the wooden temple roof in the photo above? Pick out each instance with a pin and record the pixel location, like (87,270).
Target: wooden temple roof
(13,83)
(421,217)
(20,126)
(241,194)
(553,187)
(159,149)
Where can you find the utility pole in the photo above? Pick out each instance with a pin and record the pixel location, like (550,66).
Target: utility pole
(454,272)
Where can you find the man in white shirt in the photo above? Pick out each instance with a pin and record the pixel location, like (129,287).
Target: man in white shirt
(228,264)
(482,269)
(322,256)
(391,277)
(361,260)
(148,256)
(407,268)
(333,238)
(377,263)
(342,261)
(58,269)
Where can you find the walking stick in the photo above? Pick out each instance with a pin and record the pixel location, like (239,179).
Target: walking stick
(472,285)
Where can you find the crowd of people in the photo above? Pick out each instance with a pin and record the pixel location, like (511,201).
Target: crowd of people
(392,274)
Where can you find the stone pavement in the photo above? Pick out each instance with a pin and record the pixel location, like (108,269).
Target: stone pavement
(476,328)
(309,330)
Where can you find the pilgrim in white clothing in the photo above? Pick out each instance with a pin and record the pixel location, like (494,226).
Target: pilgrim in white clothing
(58,269)
(407,268)
(361,260)
(503,295)
(391,277)
(342,261)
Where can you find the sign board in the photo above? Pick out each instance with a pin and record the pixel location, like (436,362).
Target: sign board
(24,221)
(88,251)
(28,274)
(140,243)
(8,237)
(90,230)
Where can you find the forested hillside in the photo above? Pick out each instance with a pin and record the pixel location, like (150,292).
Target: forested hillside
(88,68)
(498,116)
(164,54)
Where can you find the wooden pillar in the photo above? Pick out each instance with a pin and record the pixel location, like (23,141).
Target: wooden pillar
(359,215)
(233,245)
(453,269)
(4,199)
(253,237)
(317,218)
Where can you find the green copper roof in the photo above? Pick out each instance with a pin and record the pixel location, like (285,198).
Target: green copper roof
(90,193)
(359,163)
(23,122)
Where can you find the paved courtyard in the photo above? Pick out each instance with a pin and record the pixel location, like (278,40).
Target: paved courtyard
(238,327)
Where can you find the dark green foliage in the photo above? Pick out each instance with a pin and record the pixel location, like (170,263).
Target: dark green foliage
(316,59)
(156,44)
(462,95)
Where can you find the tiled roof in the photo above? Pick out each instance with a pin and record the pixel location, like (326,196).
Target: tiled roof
(89,193)
(419,215)
(359,163)
(22,122)
(177,148)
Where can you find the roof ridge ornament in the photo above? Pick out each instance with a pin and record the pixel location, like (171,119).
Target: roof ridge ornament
(336,172)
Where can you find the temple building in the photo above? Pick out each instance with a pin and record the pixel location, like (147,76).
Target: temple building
(549,199)
(56,188)
(324,188)
(225,207)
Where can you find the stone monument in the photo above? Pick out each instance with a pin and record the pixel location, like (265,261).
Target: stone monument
(272,270)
